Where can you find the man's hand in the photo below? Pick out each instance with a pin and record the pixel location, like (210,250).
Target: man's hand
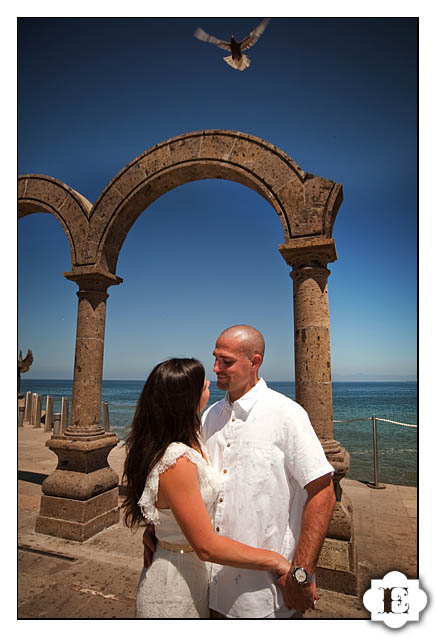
(298,597)
(149,543)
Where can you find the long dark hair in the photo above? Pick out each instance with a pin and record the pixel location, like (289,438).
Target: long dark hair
(167,411)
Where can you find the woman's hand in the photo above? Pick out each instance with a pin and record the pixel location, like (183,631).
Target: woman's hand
(283,568)
(299,597)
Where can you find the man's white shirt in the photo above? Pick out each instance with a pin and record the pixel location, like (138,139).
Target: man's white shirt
(267,451)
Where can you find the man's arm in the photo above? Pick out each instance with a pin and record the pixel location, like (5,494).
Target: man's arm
(315,520)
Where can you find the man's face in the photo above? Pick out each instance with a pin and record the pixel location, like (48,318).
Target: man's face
(233,367)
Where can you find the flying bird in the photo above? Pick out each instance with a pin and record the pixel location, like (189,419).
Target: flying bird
(236,60)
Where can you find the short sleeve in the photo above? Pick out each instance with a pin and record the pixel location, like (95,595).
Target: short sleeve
(304,454)
(150,493)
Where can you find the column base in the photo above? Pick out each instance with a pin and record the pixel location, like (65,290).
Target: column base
(337,567)
(77,520)
(80,498)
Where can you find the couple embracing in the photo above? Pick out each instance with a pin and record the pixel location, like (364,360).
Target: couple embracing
(237,503)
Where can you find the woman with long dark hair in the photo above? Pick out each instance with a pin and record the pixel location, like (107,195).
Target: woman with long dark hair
(172,484)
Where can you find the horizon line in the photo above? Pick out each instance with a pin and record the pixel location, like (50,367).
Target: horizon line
(352,379)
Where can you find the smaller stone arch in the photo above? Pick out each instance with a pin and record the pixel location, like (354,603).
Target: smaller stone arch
(40,193)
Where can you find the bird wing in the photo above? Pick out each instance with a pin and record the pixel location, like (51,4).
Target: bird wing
(200,34)
(25,364)
(254,35)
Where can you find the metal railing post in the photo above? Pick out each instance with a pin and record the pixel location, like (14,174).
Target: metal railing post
(375,484)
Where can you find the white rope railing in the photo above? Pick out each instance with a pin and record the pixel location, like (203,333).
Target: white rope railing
(374,419)
(369,418)
(407,425)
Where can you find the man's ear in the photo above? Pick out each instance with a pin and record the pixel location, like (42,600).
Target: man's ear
(256,361)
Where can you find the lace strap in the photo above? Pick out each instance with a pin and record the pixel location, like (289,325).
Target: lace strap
(150,493)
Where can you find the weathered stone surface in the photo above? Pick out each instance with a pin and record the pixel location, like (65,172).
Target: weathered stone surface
(77,455)
(185,148)
(74,530)
(335,554)
(39,193)
(217,146)
(80,511)
(340,525)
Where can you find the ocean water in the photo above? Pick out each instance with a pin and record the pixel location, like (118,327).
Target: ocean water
(397,445)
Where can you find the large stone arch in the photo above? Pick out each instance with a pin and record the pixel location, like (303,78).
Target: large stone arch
(306,204)
(40,193)
(80,497)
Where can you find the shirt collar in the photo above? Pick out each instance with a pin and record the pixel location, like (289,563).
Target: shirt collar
(248,400)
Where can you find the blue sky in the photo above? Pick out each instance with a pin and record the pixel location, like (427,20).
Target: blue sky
(339,95)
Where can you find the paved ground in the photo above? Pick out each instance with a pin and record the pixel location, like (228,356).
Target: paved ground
(97,579)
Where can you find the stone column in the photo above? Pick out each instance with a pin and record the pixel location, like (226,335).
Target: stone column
(337,569)
(105,411)
(28,408)
(33,409)
(64,413)
(37,412)
(49,414)
(80,498)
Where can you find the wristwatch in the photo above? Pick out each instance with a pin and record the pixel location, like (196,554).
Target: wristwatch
(300,575)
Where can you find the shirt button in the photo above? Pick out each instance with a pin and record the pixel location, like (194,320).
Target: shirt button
(224,471)
(228,445)
(233,418)
(220,500)
(217,529)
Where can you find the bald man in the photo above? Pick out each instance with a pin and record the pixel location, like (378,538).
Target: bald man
(277,491)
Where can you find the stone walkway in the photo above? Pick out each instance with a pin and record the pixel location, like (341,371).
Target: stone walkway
(98,578)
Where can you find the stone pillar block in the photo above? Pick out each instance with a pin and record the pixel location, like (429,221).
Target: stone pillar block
(37,412)
(56,424)
(28,408)
(49,414)
(77,520)
(64,414)
(105,410)
(33,409)
(80,498)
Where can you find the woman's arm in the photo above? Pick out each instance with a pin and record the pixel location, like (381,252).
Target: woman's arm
(179,489)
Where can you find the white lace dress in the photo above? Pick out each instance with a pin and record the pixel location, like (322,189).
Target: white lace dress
(176,584)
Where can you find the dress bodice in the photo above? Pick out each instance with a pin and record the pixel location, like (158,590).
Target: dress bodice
(210,483)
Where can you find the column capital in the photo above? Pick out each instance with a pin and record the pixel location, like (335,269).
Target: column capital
(308,251)
(92,278)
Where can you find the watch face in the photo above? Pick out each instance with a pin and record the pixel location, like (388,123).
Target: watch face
(300,575)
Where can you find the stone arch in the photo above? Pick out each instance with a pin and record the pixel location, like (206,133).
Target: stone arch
(40,193)
(306,204)
(80,506)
